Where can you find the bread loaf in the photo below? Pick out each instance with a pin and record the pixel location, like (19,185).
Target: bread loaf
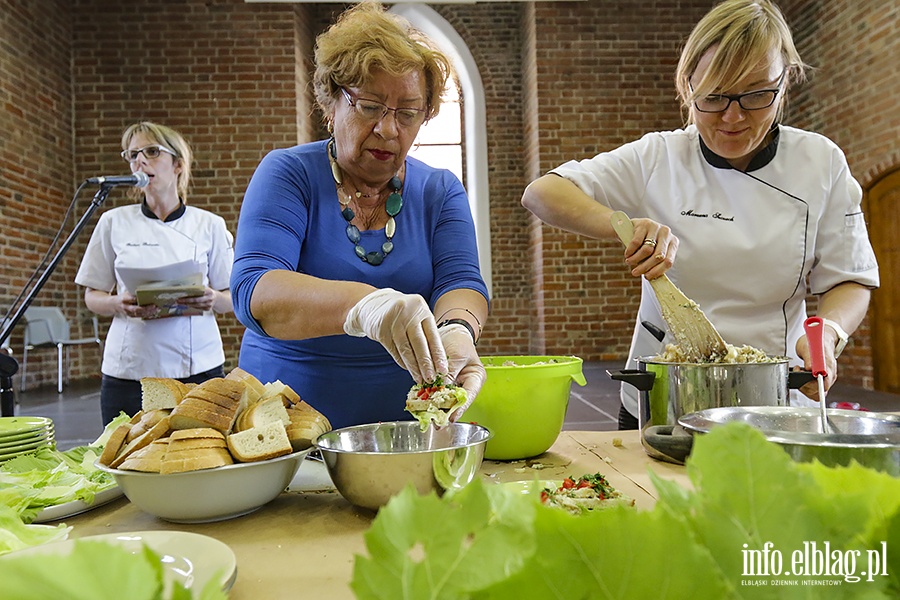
(262,413)
(255,388)
(114,444)
(214,403)
(260,443)
(195,449)
(281,390)
(159,392)
(148,420)
(306,425)
(161,429)
(203,458)
(147,459)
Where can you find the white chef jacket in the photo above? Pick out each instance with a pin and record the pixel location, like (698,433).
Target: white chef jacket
(132,236)
(746,249)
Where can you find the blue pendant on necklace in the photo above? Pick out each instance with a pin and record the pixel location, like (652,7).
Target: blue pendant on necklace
(393,205)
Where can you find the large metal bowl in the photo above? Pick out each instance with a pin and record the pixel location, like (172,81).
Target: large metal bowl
(371,463)
(871,439)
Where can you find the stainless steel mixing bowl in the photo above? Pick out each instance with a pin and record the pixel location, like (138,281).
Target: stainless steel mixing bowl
(371,463)
(871,439)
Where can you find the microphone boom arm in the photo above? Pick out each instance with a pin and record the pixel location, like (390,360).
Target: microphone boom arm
(8,365)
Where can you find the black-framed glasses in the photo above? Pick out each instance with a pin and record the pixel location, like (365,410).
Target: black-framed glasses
(150,152)
(757,100)
(370,110)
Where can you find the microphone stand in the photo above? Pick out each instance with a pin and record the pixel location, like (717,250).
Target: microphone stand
(9,365)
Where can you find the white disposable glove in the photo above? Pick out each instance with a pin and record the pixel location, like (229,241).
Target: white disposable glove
(404,325)
(465,368)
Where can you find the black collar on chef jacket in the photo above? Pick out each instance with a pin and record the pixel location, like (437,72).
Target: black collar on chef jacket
(175,214)
(762,158)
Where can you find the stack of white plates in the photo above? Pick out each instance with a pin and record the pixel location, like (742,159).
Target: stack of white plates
(21,435)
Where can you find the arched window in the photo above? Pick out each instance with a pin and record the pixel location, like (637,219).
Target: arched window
(439,142)
(472,120)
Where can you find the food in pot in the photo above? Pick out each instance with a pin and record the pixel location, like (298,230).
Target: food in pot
(587,493)
(434,402)
(734,355)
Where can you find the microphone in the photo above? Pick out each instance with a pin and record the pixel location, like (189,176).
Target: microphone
(137,179)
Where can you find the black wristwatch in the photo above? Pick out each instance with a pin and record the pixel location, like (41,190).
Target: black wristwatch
(462,322)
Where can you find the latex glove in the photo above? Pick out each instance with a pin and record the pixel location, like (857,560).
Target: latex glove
(404,325)
(465,368)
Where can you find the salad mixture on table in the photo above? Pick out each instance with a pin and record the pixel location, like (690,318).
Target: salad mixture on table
(587,493)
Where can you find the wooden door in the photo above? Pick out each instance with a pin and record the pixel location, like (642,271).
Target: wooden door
(883,208)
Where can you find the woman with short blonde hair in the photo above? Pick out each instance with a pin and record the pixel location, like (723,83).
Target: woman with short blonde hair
(758,213)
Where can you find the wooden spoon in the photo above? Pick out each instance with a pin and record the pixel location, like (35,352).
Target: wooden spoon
(697,337)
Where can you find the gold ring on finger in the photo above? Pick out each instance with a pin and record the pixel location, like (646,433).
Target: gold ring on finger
(650,242)
(660,256)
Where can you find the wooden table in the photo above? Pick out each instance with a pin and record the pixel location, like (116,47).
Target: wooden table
(306,539)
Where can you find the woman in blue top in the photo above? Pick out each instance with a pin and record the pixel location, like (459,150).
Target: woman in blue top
(356,270)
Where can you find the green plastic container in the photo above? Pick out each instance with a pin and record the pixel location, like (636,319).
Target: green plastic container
(523,403)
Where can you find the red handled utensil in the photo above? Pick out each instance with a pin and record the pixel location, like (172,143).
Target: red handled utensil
(813,327)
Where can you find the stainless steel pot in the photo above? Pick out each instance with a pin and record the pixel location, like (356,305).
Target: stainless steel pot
(669,390)
(871,439)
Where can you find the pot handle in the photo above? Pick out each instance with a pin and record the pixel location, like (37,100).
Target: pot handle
(797,379)
(642,380)
(671,442)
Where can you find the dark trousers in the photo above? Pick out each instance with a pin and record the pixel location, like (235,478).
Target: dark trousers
(626,419)
(124,395)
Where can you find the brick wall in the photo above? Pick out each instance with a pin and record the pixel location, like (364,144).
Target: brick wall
(562,80)
(36,148)
(851,97)
(604,76)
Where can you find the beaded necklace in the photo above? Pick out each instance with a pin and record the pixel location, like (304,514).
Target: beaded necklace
(393,206)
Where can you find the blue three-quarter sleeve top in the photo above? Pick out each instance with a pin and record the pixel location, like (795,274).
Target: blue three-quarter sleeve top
(291,220)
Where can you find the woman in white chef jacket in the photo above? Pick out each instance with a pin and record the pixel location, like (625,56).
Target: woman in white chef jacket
(753,209)
(159,231)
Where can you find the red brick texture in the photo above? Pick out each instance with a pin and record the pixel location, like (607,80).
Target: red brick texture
(562,80)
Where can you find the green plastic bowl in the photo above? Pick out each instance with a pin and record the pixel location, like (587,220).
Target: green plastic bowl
(523,403)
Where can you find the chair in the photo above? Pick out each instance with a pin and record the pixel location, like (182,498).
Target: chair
(46,326)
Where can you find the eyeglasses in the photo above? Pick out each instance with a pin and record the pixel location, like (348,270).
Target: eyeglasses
(150,152)
(758,100)
(370,110)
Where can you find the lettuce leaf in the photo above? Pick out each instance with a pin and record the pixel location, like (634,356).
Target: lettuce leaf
(47,477)
(489,541)
(94,570)
(15,535)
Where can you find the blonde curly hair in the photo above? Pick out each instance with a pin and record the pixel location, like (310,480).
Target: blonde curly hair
(367,38)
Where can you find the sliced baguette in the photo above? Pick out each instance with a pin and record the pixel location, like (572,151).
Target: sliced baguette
(198,432)
(154,433)
(201,414)
(114,444)
(278,389)
(262,413)
(255,388)
(148,420)
(161,392)
(305,427)
(231,402)
(260,443)
(197,460)
(147,459)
